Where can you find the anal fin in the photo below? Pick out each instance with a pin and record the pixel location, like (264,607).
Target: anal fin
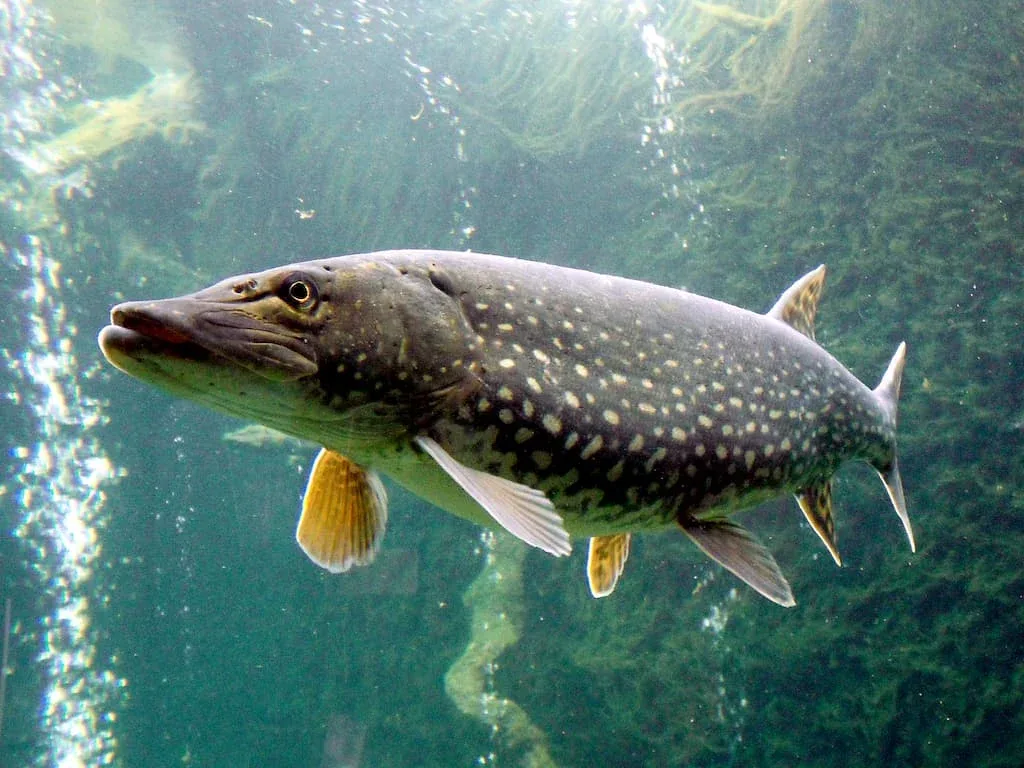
(816,504)
(525,512)
(344,513)
(606,561)
(735,549)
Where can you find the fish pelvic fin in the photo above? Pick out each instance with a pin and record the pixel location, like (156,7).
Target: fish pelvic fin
(606,561)
(816,504)
(887,393)
(344,513)
(798,306)
(737,550)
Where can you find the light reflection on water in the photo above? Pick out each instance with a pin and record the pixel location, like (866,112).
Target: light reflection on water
(58,485)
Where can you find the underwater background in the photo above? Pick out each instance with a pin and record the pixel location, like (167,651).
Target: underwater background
(156,609)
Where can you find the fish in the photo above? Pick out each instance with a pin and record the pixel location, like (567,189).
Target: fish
(552,402)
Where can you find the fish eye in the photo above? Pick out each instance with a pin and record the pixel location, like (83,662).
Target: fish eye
(300,292)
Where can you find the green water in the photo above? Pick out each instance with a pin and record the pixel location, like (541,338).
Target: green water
(161,611)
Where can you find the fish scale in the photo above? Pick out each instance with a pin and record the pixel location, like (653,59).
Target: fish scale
(665,407)
(550,401)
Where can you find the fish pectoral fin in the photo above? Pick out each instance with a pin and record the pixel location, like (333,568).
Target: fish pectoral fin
(344,513)
(522,511)
(606,561)
(735,549)
(798,306)
(816,503)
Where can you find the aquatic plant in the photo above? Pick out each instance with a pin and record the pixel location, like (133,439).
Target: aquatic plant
(495,601)
(163,106)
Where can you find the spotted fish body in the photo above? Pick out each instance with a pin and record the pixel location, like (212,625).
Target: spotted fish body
(551,401)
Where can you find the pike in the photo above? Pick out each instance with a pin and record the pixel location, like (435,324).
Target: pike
(549,401)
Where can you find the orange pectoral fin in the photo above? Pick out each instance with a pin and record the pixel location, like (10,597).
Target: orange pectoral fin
(344,513)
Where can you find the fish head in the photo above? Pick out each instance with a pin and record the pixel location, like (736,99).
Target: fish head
(307,349)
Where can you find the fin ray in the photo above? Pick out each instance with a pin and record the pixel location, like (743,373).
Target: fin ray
(344,514)
(738,551)
(606,561)
(816,504)
(525,512)
(798,306)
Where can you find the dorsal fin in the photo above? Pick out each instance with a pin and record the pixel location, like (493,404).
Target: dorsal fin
(798,306)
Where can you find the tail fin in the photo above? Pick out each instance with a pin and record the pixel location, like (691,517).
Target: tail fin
(888,395)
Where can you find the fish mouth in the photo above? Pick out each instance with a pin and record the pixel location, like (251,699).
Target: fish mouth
(150,336)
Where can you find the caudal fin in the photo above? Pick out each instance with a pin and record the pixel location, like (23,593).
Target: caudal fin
(888,395)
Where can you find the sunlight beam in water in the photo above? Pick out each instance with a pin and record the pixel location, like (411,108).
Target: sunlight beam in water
(59,490)
(57,487)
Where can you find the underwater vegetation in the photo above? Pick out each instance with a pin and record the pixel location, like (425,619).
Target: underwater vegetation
(727,148)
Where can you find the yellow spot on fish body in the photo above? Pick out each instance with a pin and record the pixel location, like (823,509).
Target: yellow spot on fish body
(592,447)
(582,371)
(506,416)
(785,444)
(482,307)
(647,408)
(542,459)
(571,440)
(611,417)
(727,429)
(735,402)
(541,356)
(572,400)
(636,444)
(533,384)
(523,434)
(616,472)
(679,434)
(618,378)
(721,451)
(506,394)
(506,327)
(703,420)
(507,363)
(657,456)
(552,424)
(483,405)
(749,457)
(527,409)
(647,383)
